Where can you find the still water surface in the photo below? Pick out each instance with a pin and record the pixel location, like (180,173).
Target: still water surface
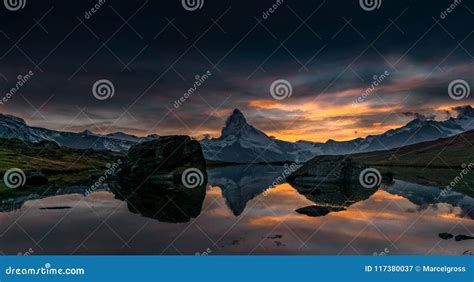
(240,215)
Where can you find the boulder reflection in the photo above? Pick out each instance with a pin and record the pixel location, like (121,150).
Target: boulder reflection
(176,205)
(329,197)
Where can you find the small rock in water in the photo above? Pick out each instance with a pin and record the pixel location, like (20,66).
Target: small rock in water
(316,211)
(279,244)
(55,208)
(235,242)
(445,236)
(463,237)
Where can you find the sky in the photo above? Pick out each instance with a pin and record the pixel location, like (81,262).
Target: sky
(152,52)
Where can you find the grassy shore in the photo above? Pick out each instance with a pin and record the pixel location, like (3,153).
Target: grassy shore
(62,166)
(437,163)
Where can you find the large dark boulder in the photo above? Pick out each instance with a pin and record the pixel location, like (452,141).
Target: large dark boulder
(160,164)
(164,179)
(334,181)
(327,170)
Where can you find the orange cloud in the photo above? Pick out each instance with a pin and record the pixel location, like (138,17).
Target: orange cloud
(314,122)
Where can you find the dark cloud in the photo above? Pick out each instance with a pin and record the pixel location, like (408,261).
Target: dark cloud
(153,50)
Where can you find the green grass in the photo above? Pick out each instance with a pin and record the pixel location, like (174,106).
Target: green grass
(435,163)
(439,177)
(63,166)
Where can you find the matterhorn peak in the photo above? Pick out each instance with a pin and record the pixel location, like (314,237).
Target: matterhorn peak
(234,124)
(237,118)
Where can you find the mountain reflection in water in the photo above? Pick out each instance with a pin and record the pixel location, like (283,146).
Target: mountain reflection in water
(240,184)
(240,215)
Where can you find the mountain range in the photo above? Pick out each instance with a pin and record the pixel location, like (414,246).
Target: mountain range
(15,127)
(240,142)
(243,143)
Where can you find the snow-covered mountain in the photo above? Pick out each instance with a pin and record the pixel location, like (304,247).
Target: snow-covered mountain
(14,127)
(243,143)
(240,142)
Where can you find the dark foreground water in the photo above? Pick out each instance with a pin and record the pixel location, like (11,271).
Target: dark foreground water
(240,215)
